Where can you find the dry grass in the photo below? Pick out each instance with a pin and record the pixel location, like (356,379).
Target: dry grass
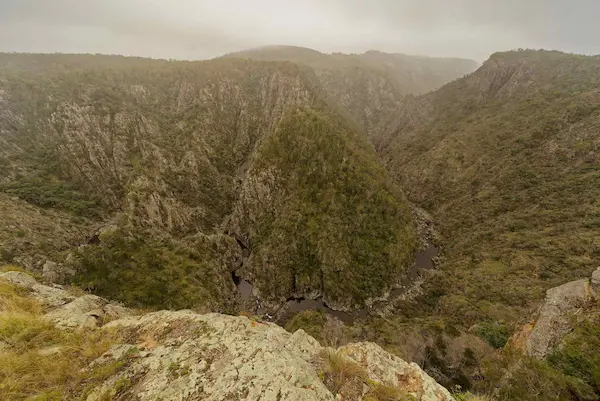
(472,397)
(27,369)
(343,376)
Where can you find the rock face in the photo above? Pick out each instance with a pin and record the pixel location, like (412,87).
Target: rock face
(178,159)
(65,309)
(183,355)
(556,317)
(368,86)
(395,372)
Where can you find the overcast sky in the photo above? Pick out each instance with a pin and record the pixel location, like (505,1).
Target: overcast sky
(196,29)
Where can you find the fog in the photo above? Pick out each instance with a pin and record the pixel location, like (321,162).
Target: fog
(197,29)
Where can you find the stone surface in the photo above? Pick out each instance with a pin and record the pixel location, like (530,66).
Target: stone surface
(596,278)
(56,273)
(66,310)
(555,317)
(51,297)
(395,372)
(183,355)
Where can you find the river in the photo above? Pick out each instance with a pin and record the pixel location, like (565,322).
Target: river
(423,261)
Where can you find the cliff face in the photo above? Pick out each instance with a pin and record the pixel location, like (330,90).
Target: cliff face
(369,86)
(165,164)
(187,356)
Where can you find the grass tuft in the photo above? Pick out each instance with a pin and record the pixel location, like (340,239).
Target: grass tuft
(26,372)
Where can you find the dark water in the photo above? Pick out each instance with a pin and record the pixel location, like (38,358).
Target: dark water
(423,261)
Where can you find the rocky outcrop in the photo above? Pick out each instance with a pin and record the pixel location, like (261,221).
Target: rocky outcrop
(183,355)
(395,372)
(66,310)
(557,316)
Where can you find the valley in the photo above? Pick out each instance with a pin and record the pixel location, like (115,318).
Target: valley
(431,206)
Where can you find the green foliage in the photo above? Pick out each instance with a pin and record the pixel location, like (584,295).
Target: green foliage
(335,223)
(342,375)
(512,189)
(533,380)
(142,270)
(48,191)
(579,355)
(494,333)
(311,321)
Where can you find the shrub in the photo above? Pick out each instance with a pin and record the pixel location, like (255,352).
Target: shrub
(343,376)
(494,333)
(145,271)
(311,321)
(579,355)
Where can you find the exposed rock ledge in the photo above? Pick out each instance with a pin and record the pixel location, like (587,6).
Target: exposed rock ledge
(557,316)
(188,356)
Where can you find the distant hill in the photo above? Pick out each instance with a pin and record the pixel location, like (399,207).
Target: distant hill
(369,86)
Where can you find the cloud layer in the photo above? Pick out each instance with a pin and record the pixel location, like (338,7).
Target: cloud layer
(195,29)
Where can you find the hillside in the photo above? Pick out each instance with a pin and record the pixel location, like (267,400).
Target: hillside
(506,160)
(368,86)
(162,169)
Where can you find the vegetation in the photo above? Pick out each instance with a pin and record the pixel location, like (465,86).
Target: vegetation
(508,169)
(506,161)
(343,376)
(579,355)
(41,362)
(368,86)
(47,191)
(147,271)
(334,222)
(311,321)
(166,146)
(528,379)
(495,334)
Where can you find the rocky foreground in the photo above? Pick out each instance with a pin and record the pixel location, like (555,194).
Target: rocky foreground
(182,355)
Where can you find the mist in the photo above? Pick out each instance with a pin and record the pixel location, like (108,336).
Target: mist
(200,29)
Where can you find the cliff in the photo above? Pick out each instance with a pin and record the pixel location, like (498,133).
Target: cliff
(183,355)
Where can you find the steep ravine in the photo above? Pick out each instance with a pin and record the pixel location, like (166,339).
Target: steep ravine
(423,261)
(406,286)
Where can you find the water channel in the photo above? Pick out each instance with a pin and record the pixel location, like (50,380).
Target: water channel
(423,261)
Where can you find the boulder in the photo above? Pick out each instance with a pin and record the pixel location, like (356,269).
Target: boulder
(554,319)
(596,279)
(395,372)
(56,273)
(51,297)
(184,355)
(64,309)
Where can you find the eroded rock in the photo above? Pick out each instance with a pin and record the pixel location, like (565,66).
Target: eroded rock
(556,317)
(66,310)
(183,355)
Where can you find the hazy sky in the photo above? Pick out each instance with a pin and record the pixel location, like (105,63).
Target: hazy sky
(194,29)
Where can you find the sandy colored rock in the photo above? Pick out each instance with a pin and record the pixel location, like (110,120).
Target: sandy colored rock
(184,355)
(596,279)
(64,309)
(555,318)
(395,372)
(51,297)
